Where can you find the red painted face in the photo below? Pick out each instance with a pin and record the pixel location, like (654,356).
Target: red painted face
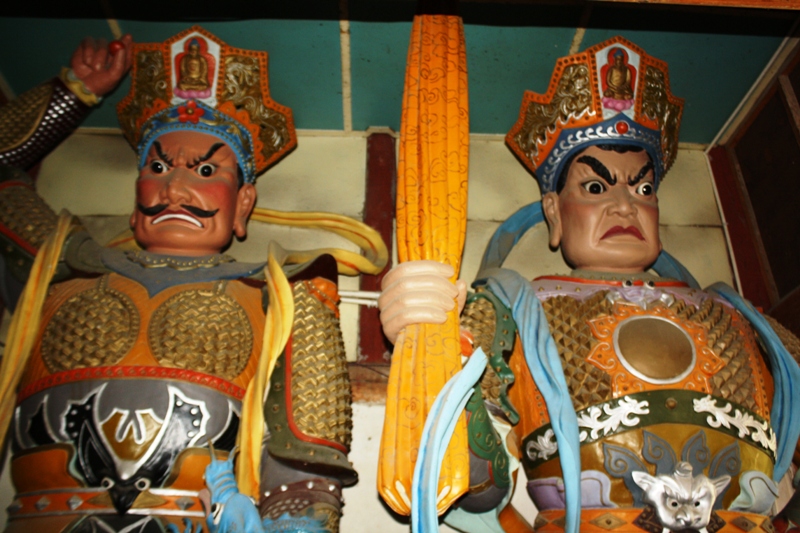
(187,195)
(606,217)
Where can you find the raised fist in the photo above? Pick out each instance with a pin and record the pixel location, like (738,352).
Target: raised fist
(98,69)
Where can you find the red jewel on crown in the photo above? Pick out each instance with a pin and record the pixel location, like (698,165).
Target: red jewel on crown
(621,127)
(190,112)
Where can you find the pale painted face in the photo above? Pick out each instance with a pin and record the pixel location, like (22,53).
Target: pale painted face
(187,195)
(606,217)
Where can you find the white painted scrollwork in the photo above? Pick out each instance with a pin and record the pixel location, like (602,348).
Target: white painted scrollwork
(748,426)
(608,419)
(544,447)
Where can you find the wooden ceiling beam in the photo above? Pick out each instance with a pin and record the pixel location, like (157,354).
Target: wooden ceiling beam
(757,4)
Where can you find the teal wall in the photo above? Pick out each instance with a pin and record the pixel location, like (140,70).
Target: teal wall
(510,48)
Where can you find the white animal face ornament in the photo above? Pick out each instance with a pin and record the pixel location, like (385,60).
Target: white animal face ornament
(681,501)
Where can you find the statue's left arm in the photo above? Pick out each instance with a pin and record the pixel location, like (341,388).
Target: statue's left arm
(308,411)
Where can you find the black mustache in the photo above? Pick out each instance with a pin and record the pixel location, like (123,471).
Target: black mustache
(158,208)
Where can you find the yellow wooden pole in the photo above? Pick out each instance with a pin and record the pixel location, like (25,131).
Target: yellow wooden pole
(431,224)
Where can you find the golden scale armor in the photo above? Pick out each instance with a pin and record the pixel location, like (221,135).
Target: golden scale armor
(138,368)
(705,399)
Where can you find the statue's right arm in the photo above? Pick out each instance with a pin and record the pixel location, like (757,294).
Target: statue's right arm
(39,119)
(32,125)
(421,292)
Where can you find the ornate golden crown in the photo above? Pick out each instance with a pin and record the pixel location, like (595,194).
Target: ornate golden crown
(194,81)
(613,93)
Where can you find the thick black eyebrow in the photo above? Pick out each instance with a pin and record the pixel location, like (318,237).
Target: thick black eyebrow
(161,153)
(211,151)
(599,168)
(642,173)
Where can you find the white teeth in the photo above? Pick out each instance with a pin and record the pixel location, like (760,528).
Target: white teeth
(179,216)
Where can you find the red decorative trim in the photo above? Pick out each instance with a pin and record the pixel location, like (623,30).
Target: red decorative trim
(287,391)
(127,372)
(379,209)
(636,283)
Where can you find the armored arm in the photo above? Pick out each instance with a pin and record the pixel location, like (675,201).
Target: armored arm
(490,414)
(25,222)
(308,409)
(38,120)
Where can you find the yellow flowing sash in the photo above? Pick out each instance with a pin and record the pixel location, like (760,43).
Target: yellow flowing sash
(27,317)
(349,263)
(278,327)
(431,224)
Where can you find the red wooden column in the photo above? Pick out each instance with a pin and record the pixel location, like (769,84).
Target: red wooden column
(748,256)
(370,374)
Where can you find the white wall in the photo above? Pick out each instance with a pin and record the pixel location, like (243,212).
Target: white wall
(93,176)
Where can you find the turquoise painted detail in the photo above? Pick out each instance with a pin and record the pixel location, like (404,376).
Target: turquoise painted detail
(510,49)
(544,363)
(484,441)
(502,344)
(436,435)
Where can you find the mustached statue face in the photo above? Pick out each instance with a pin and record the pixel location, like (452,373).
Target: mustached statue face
(188,202)
(606,217)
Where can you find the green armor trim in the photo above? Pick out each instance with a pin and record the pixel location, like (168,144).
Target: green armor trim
(485,442)
(651,408)
(502,344)
(283,444)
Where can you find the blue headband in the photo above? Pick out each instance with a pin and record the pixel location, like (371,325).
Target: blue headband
(197,116)
(617,130)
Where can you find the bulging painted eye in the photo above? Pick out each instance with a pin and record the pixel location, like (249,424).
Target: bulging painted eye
(158,167)
(594,187)
(206,170)
(142,484)
(645,189)
(107,483)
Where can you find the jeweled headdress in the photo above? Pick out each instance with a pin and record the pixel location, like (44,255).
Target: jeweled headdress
(194,81)
(613,93)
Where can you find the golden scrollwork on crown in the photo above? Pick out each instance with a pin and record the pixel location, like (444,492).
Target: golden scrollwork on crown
(148,87)
(657,104)
(202,330)
(572,98)
(96,327)
(242,87)
(196,68)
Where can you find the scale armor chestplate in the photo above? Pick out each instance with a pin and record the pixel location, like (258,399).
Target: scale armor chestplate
(124,391)
(659,376)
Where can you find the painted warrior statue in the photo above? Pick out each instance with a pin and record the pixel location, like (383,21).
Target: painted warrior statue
(634,401)
(140,367)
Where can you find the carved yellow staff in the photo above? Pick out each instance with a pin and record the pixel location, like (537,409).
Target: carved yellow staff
(431,224)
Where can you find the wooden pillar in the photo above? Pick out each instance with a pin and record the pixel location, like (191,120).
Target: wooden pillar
(373,348)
